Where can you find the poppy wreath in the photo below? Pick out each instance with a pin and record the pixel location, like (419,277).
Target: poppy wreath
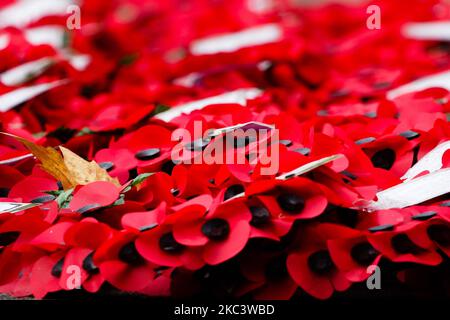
(112,92)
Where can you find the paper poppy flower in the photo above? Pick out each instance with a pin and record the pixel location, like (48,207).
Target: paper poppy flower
(22,229)
(311,265)
(353,254)
(88,233)
(45,275)
(264,224)
(83,238)
(291,199)
(117,162)
(221,234)
(78,263)
(160,246)
(390,153)
(157,188)
(131,98)
(52,239)
(121,264)
(93,196)
(32,189)
(150,145)
(9,266)
(431,228)
(117,116)
(397,245)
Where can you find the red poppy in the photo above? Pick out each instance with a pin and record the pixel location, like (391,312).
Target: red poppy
(432,232)
(229,229)
(122,265)
(45,275)
(222,233)
(88,233)
(159,245)
(84,237)
(117,162)
(24,228)
(93,196)
(150,145)
(52,239)
(311,265)
(157,188)
(398,245)
(291,199)
(117,116)
(393,153)
(33,189)
(353,254)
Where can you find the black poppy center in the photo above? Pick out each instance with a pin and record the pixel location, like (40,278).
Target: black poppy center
(383,227)
(88,208)
(198,145)
(168,243)
(7,238)
(107,165)
(58,268)
(291,202)
(130,255)
(89,265)
(232,191)
(168,166)
(365,140)
(363,253)
(260,215)
(409,134)
(148,154)
(383,159)
(4,192)
(216,229)
(286,142)
(440,234)
(320,262)
(424,215)
(303,151)
(43,199)
(403,244)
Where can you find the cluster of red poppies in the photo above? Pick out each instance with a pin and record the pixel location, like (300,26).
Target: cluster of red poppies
(319,76)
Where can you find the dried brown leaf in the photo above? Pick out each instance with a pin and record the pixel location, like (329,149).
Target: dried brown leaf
(84,172)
